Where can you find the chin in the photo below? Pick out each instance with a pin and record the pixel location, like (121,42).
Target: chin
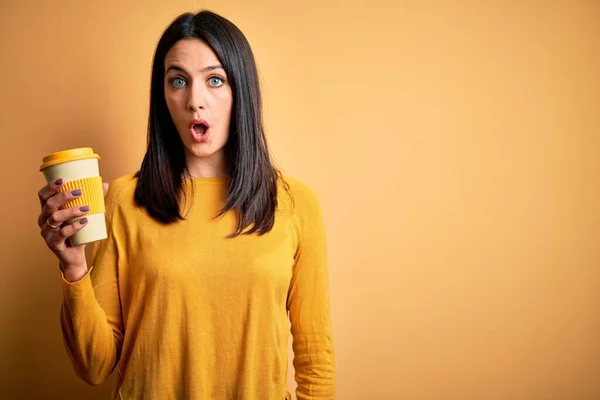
(201,150)
(202,153)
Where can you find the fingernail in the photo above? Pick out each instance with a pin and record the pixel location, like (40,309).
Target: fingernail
(59,181)
(83,221)
(76,192)
(84,208)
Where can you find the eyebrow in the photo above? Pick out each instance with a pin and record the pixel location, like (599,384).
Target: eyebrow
(205,69)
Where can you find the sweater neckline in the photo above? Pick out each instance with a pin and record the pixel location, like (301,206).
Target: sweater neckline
(207,181)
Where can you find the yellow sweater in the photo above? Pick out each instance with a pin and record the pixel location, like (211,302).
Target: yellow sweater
(185,313)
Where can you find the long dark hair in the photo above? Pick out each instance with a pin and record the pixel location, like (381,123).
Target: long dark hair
(251,175)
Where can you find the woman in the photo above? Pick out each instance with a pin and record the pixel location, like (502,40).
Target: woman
(209,251)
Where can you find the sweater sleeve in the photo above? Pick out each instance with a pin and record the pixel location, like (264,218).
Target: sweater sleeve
(308,303)
(91,317)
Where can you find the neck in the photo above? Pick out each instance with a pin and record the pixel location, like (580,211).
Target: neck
(207,167)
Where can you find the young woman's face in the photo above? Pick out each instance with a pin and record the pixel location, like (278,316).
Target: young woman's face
(199,98)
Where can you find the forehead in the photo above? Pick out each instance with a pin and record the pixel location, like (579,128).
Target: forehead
(191,52)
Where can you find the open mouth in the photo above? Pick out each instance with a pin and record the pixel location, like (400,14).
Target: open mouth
(200,128)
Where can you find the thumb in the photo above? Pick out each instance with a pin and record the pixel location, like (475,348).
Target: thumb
(105,187)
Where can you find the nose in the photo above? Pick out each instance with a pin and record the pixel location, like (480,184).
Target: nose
(197,97)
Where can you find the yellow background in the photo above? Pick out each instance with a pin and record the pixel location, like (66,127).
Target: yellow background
(453,144)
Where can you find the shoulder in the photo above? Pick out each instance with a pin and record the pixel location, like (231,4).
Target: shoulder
(297,187)
(298,197)
(121,192)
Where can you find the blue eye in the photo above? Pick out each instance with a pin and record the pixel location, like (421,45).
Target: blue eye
(216,81)
(177,82)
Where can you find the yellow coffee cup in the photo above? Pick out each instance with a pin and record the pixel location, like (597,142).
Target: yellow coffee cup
(79,169)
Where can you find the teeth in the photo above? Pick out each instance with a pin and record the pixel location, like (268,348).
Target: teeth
(200,129)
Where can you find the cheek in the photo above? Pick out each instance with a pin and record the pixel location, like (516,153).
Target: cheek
(225,104)
(173,104)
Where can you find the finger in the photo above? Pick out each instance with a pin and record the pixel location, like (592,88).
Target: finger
(59,217)
(69,230)
(55,202)
(57,240)
(50,190)
(105,187)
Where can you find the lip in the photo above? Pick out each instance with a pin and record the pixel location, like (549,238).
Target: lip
(198,122)
(197,138)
